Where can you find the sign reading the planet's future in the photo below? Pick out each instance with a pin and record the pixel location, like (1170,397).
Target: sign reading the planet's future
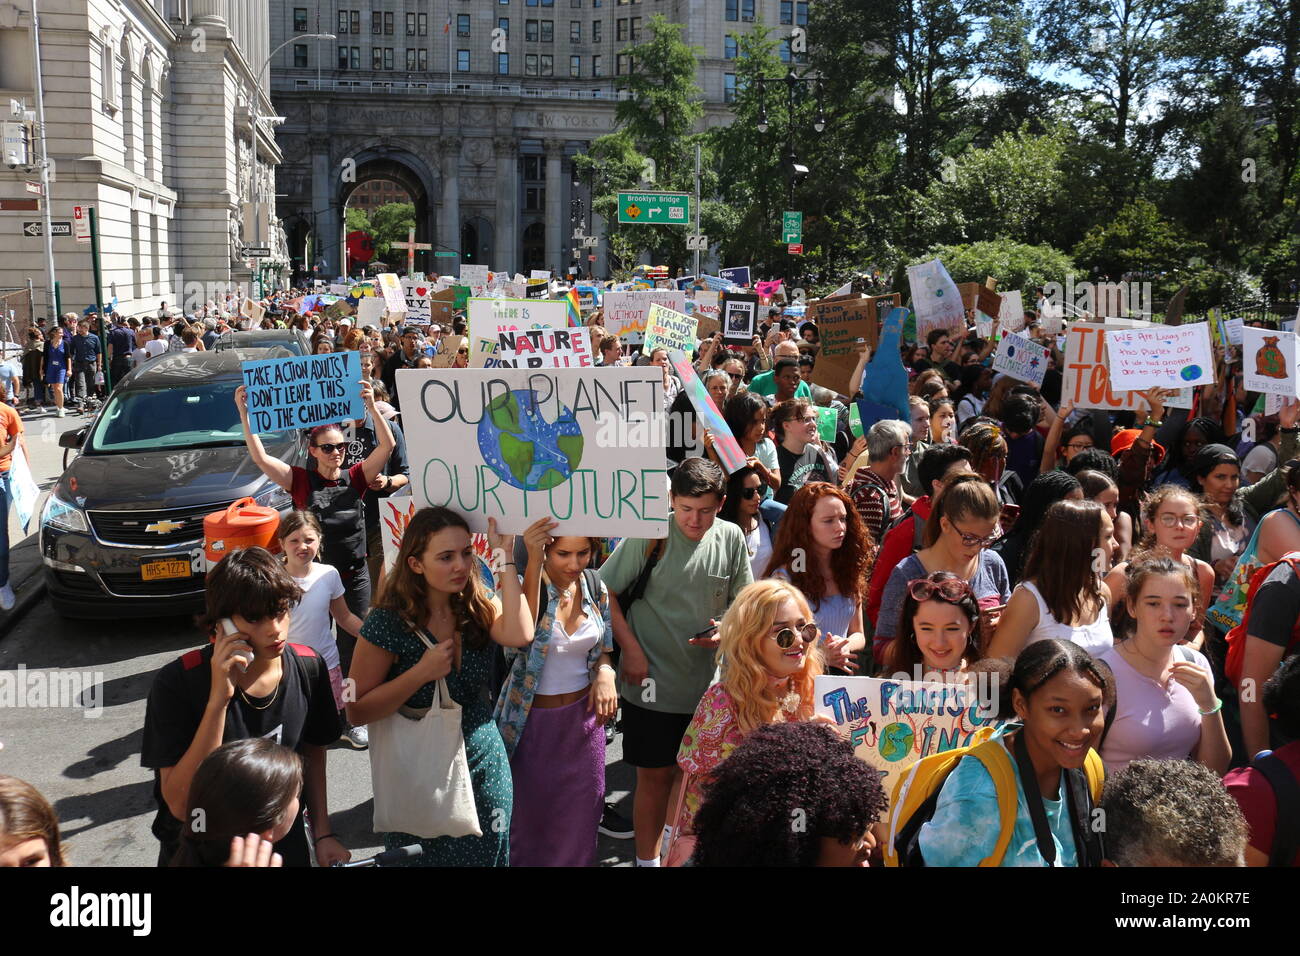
(585,447)
(894,723)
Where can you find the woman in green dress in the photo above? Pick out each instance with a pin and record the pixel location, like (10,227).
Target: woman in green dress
(435,587)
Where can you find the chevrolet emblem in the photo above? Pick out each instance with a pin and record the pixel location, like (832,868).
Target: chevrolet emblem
(164,527)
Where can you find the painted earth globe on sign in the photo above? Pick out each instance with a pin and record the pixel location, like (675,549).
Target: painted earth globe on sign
(523,448)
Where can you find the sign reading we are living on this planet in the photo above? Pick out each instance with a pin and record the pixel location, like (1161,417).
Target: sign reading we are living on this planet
(583,446)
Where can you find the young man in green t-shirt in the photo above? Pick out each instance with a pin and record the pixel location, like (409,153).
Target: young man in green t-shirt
(669,637)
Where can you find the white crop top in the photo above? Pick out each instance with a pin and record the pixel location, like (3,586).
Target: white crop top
(1093,638)
(566,668)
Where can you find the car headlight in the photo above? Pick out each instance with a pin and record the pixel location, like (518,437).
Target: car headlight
(275,497)
(63,516)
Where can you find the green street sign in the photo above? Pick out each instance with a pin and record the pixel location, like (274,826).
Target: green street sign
(792,227)
(446,254)
(655,209)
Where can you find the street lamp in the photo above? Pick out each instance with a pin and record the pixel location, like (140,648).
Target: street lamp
(793,170)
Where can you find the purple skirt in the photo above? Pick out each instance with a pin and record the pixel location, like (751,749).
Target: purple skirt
(559,775)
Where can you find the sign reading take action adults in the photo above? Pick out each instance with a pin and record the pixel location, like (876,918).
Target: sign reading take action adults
(584,447)
(303,391)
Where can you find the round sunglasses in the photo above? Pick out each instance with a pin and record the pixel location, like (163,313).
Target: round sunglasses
(951,590)
(785,637)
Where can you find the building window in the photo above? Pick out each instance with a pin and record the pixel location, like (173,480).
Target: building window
(597,3)
(620,33)
(462,61)
(575,66)
(423,24)
(636,29)
(548,31)
(422,60)
(747,10)
(548,3)
(729,47)
(548,65)
(410,61)
(377,22)
(377,58)
(462,24)
(530,3)
(596,69)
(300,55)
(530,64)
(343,58)
(595,31)
(575,3)
(343,21)
(388,24)
(503,64)
(787,12)
(388,58)
(356,22)
(530,31)
(534,199)
(299,19)
(729,87)
(733,10)
(801,13)
(575,31)
(785,51)
(355,57)
(533,169)
(620,64)
(410,24)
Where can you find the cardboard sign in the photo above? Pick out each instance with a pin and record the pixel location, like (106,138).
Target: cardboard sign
(1011,312)
(450,345)
(303,391)
(1160,356)
(707,326)
(891,724)
(841,323)
(737,274)
(252,310)
(370,311)
(724,442)
(1269,361)
(416,295)
(626,313)
(1085,381)
(1021,357)
(476,277)
(582,446)
(739,318)
(391,287)
(667,329)
(442,307)
(935,299)
(544,348)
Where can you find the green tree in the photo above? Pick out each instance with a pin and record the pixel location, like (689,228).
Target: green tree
(1139,242)
(391,223)
(1015,265)
(357,219)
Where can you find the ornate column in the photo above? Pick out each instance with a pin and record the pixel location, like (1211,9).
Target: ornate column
(506,254)
(555,219)
(327,228)
(449,217)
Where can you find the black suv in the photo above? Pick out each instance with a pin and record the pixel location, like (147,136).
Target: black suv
(122,531)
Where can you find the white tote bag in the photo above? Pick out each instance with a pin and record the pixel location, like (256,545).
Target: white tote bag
(419,772)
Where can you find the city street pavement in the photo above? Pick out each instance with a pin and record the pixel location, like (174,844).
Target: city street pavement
(79,741)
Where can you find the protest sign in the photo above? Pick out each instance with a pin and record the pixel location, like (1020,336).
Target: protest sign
(626,312)
(724,442)
(666,329)
(706,303)
(1160,356)
(447,350)
(418,309)
(476,277)
(935,299)
(1011,312)
(1269,361)
(1232,328)
(370,311)
(489,316)
(1085,382)
(1021,357)
(544,348)
(541,274)
(303,391)
(976,296)
(884,382)
(737,274)
(442,307)
(707,326)
(395,513)
(338,288)
(891,724)
(535,290)
(22,487)
(828,423)
(842,324)
(391,287)
(739,318)
(252,310)
(585,447)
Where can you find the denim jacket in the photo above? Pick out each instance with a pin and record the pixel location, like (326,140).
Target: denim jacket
(526,663)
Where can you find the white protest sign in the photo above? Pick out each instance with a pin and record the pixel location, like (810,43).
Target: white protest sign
(1085,381)
(416,295)
(542,274)
(544,348)
(584,447)
(476,277)
(935,298)
(391,287)
(395,513)
(1161,356)
(1011,314)
(1021,357)
(338,288)
(370,311)
(666,329)
(1268,361)
(706,303)
(626,312)
(1233,327)
(22,487)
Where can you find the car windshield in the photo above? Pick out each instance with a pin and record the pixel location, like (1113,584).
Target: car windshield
(179,416)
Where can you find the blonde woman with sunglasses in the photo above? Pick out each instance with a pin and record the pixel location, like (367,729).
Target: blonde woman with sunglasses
(770,659)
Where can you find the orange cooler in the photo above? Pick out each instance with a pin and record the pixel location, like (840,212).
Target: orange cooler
(245,524)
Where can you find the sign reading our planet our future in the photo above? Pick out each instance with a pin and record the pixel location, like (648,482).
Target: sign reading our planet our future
(303,391)
(585,447)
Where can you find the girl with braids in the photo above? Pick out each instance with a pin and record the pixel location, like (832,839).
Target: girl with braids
(1058,697)
(1043,492)
(1191,438)
(769,659)
(834,557)
(1171,519)
(1167,706)
(435,619)
(1062,595)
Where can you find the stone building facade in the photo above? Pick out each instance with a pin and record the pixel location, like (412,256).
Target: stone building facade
(476,108)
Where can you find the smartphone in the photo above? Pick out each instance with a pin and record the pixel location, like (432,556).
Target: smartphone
(245,653)
(707,633)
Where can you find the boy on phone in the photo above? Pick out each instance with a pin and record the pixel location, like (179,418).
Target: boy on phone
(248,682)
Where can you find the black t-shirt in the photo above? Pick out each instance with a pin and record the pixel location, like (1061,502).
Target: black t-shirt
(300,713)
(1276,607)
(362,444)
(798,470)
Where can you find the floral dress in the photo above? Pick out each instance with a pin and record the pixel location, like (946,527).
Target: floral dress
(711,737)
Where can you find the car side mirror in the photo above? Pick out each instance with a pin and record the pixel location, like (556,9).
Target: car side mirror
(73,439)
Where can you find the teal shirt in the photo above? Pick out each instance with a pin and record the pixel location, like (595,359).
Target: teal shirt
(964,828)
(692,582)
(764,384)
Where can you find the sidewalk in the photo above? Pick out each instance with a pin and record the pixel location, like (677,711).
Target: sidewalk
(27,579)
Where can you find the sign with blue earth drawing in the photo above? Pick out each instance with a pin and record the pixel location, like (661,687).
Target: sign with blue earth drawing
(894,723)
(585,447)
(1021,357)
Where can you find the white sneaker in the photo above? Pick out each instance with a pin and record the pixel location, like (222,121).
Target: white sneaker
(59,413)
(358,738)
(7,598)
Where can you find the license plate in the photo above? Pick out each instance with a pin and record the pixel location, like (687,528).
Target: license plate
(165,569)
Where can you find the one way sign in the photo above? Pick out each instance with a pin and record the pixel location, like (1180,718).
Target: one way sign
(36,228)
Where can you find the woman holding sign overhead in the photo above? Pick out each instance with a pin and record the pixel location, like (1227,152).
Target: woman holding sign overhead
(334,496)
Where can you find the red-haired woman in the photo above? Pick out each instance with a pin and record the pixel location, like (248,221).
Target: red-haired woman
(824,550)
